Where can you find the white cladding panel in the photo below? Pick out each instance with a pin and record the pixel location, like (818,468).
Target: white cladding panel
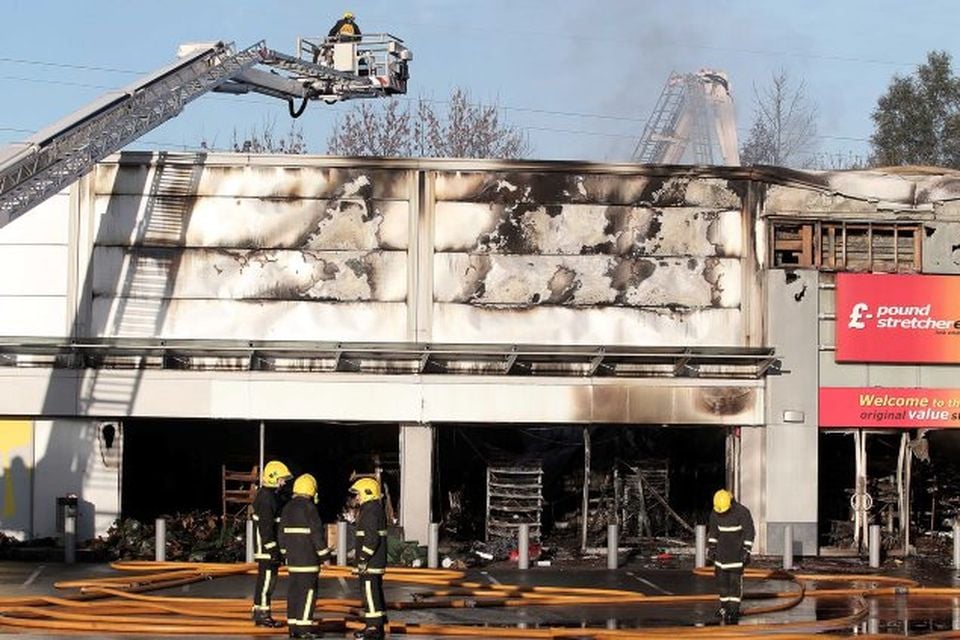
(46,223)
(241,319)
(392,398)
(588,326)
(251,274)
(35,271)
(221,246)
(254,223)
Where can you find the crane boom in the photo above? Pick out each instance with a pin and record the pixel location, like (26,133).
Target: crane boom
(48,161)
(694,110)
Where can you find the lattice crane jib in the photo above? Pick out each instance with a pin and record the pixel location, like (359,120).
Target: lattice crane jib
(33,170)
(693,117)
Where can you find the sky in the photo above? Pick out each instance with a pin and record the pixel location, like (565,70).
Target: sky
(579,77)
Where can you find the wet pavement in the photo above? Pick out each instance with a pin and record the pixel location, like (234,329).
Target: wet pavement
(891,612)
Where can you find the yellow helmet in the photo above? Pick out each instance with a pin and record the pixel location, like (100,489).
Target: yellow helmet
(347,15)
(274,472)
(722,500)
(367,489)
(305,485)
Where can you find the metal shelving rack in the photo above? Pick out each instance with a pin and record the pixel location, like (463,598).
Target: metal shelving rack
(514,497)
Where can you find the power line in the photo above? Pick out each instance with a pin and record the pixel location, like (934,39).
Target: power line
(255,101)
(65,65)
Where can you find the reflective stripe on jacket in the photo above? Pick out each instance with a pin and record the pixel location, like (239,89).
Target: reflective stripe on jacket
(301,536)
(371,540)
(266,515)
(729,534)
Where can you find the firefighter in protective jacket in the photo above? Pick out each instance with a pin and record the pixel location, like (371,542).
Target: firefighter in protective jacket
(303,544)
(371,553)
(266,514)
(729,543)
(345,29)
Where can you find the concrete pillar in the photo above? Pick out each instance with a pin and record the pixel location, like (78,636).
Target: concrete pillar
(416,480)
(161,540)
(433,546)
(874,546)
(788,547)
(523,546)
(700,553)
(752,478)
(789,458)
(956,545)
(613,544)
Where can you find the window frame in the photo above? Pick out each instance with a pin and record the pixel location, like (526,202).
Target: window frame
(813,234)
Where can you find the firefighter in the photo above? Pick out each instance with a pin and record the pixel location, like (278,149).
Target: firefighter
(345,29)
(266,514)
(304,547)
(729,543)
(371,555)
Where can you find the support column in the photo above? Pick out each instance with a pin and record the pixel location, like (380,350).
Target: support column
(416,480)
(751,481)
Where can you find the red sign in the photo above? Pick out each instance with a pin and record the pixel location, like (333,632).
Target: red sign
(898,318)
(889,407)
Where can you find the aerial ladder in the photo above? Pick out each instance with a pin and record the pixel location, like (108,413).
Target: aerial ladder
(695,112)
(372,66)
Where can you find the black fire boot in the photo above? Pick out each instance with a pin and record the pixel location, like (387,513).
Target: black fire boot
(732,616)
(306,633)
(264,619)
(369,633)
(722,615)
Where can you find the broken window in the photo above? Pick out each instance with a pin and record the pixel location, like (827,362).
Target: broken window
(846,246)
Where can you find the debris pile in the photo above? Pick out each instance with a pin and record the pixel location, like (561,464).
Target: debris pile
(196,536)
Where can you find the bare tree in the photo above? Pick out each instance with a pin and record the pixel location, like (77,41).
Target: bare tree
(370,131)
(263,139)
(784,125)
(463,130)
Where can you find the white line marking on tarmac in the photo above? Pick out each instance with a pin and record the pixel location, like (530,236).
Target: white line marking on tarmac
(649,584)
(33,576)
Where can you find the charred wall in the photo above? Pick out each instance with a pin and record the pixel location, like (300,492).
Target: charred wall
(207,247)
(185,250)
(574,258)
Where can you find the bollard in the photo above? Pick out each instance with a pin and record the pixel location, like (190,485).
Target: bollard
(433,544)
(250,533)
(956,545)
(160,553)
(523,546)
(700,555)
(788,547)
(612,543)
(342,543)
(874,546)
(70,535)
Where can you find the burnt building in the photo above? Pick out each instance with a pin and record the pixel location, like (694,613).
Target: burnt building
(169,316)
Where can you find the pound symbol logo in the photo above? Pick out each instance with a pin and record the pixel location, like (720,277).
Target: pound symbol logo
(857,314)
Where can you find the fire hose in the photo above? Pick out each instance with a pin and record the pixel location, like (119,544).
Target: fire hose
(121,605)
